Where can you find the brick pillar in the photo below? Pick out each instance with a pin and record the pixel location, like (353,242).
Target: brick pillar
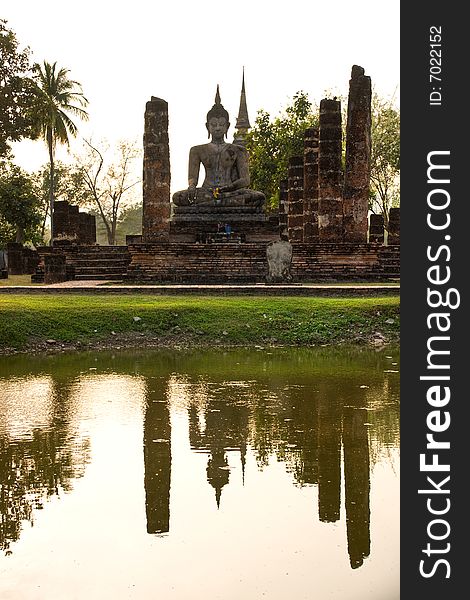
(74,223)
(311,185)
(87,229)
(330,174)
(60,222)
(358,153)
(283,197)
(15,258)
(156,182)
(295,203)
(376,229)
(394,227)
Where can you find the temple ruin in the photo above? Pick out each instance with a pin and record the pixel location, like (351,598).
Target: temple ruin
(220,232)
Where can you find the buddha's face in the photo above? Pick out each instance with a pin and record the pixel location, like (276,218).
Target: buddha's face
(217,127)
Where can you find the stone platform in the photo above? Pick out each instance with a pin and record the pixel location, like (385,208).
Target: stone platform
(245,263)
(189,225)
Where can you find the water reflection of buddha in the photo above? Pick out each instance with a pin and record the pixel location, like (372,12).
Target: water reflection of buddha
(226,165)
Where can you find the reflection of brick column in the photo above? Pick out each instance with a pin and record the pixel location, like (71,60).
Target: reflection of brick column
(394,227)
(283,186)
(311,185)
(295,203)
(356,484)
(358,151)
(156,192)
(376,229)
(329,457)
(330,175)
(157,461)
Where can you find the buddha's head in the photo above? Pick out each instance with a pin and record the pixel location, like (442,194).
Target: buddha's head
(217,119)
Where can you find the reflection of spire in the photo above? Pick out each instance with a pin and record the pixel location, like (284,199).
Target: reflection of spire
(218,472)
(217,96)
(356,484)
(157,462)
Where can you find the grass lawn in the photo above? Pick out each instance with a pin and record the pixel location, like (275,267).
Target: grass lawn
(17,280)
(197,320)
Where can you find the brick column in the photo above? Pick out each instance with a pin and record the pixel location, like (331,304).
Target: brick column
(394,227)
(295,203)
(311,185)
(358,153)
(283,197)
(330,174)
(15,258)
(156,183)
(376,229)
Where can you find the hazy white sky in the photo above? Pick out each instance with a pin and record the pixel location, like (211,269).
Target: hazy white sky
(125,52)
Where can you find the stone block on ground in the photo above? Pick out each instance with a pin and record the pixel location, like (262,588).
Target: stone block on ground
(279,257)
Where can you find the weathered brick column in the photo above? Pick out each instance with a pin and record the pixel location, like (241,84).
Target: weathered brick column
(358,153)
(295,203)
(394,227)
(311,185)
(330,174)
(283,198)
(376,229)
(156,182)
(15,258)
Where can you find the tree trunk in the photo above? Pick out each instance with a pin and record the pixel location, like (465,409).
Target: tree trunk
(51,182)
(19,239)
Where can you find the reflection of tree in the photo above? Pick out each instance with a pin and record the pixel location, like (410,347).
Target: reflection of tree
(32,470)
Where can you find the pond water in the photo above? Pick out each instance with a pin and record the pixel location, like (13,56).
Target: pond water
(238,474)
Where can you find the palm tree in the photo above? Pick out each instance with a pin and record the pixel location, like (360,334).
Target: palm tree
(56,96)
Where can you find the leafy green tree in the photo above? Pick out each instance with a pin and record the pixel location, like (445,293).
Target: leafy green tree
(57,97)
(19,206)
(130,222)
(271,143)
(16,88)
(385,159)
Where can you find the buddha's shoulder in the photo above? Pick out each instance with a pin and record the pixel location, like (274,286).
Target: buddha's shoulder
(200,149)
(236,149)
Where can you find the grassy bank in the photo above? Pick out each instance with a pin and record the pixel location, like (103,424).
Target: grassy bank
(27,322)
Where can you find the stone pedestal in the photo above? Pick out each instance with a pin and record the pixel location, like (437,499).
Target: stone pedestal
(358,153)
(295,202)
(311,185)
(330,175)
(156,181)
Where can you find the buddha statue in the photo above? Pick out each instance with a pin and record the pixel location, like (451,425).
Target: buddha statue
(227,179)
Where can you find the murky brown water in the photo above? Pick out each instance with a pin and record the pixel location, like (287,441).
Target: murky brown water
(245,474)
